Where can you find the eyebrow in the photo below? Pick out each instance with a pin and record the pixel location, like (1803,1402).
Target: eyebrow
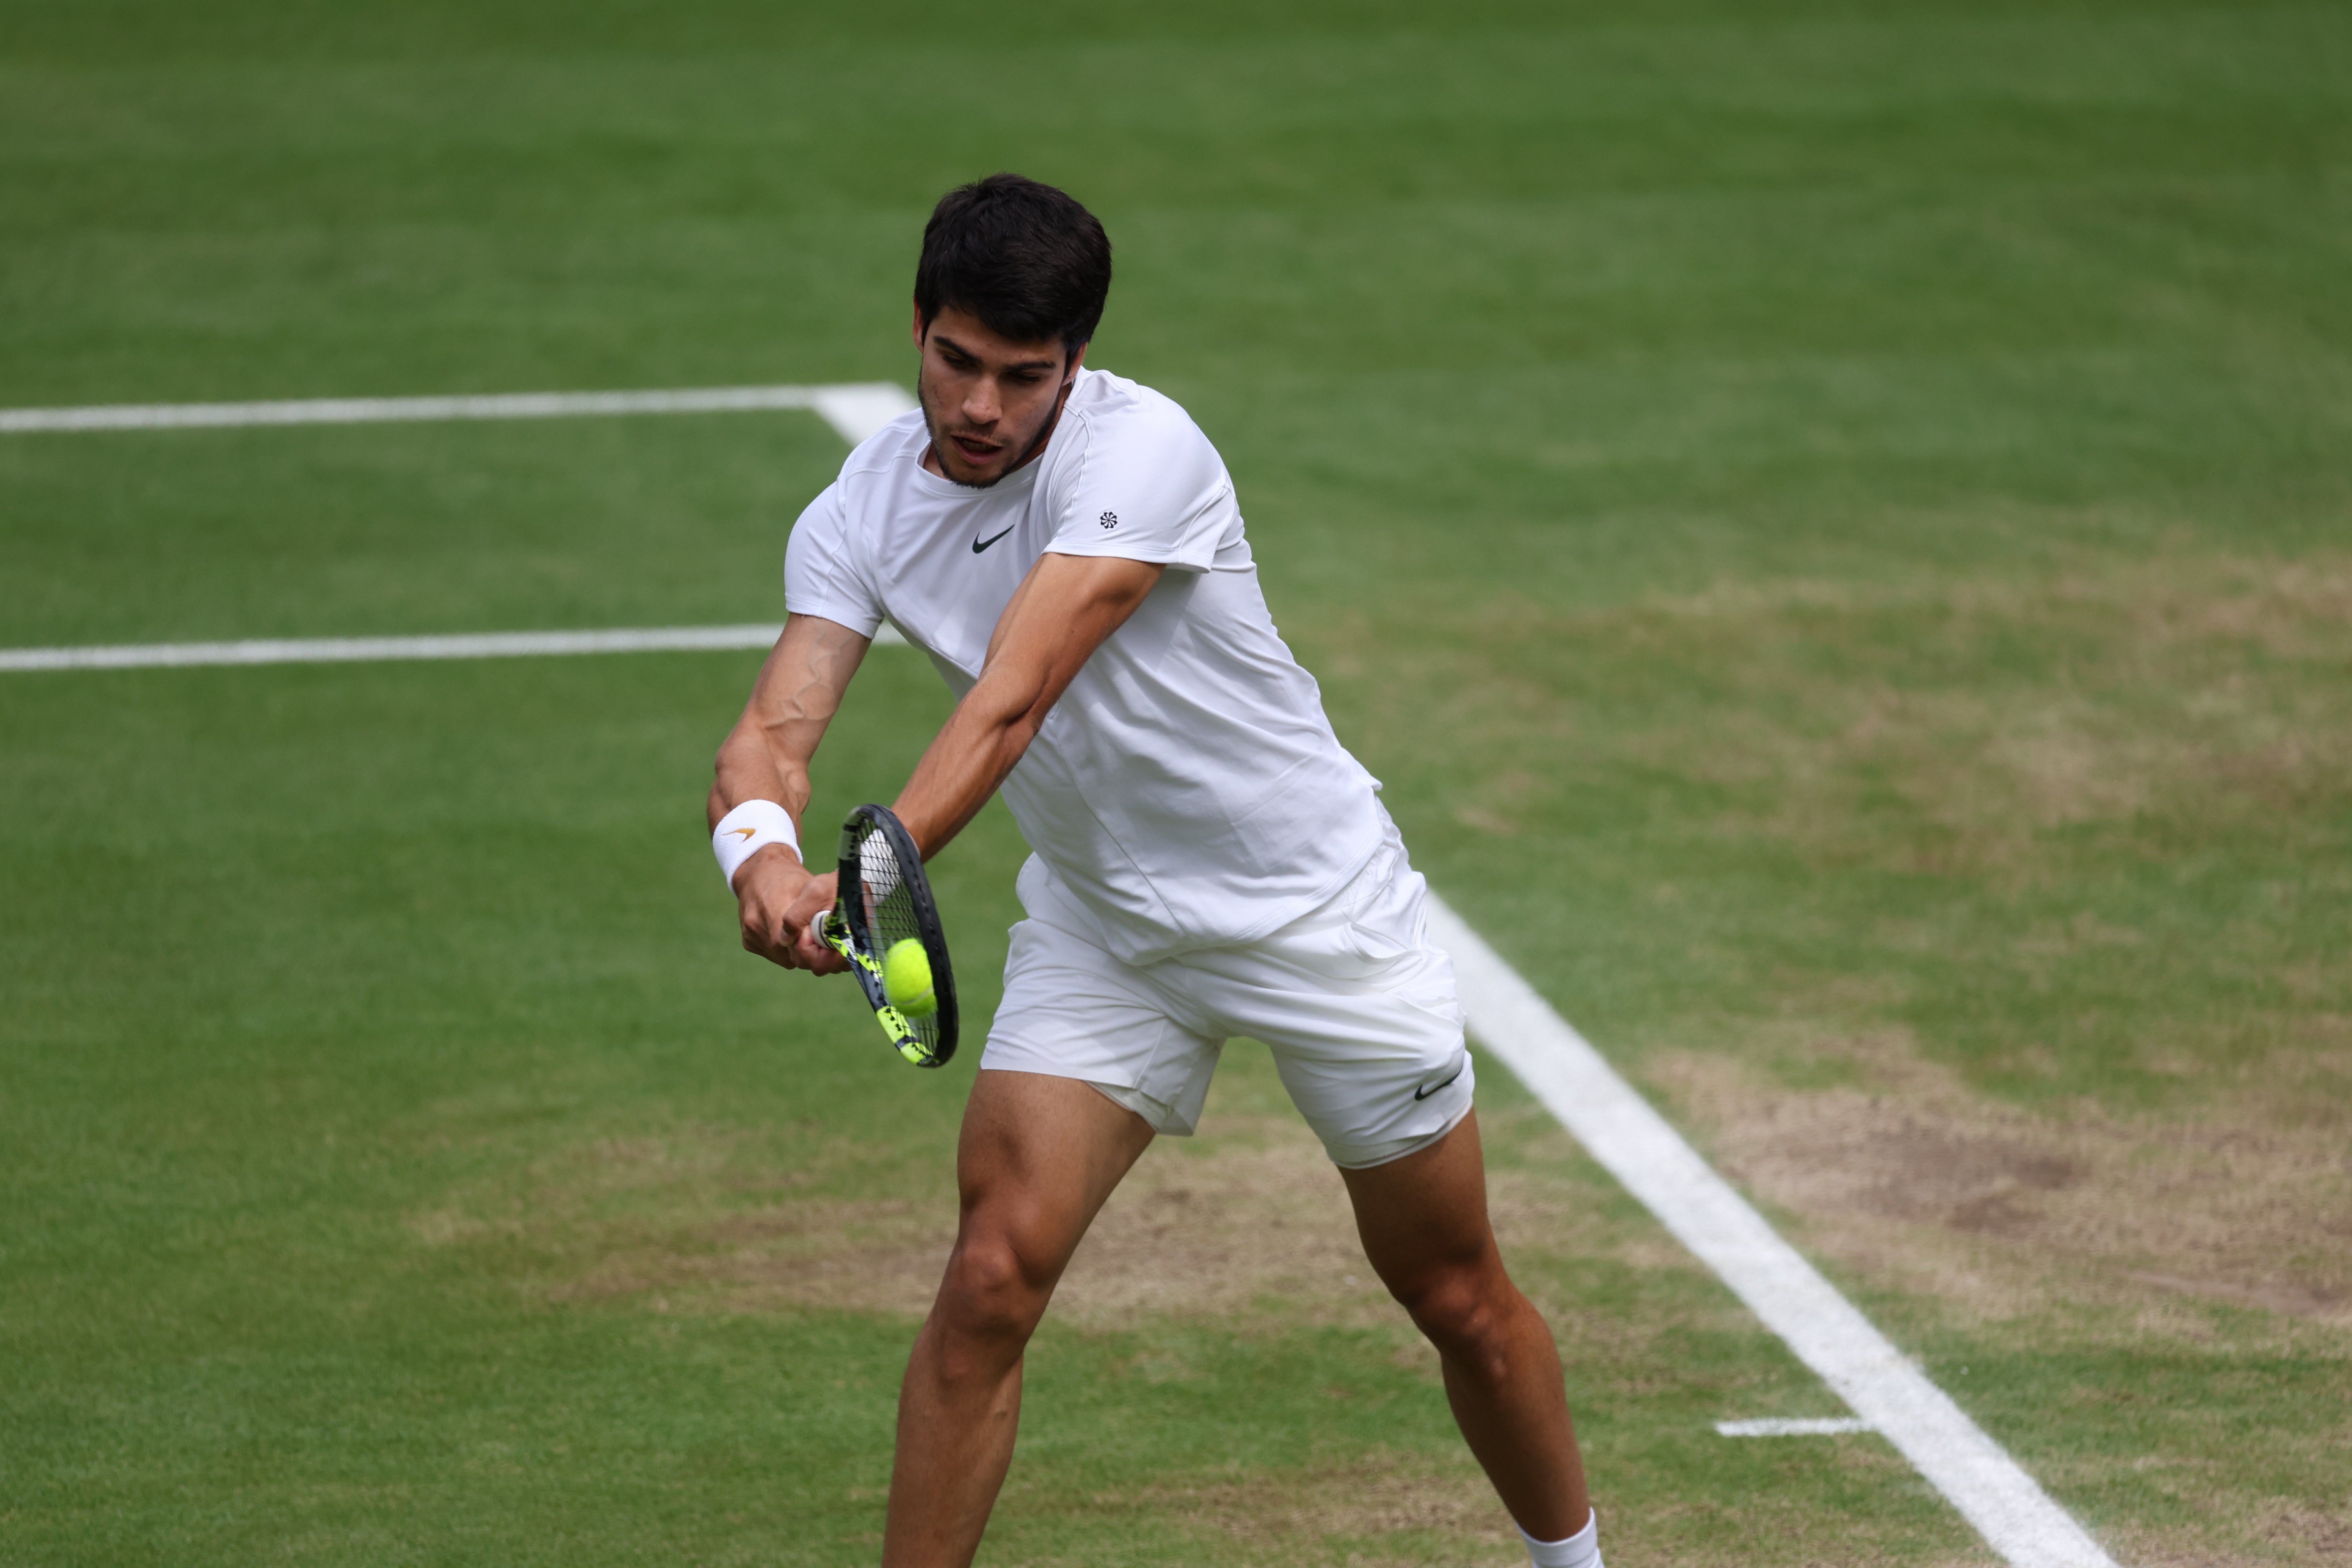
(947,341)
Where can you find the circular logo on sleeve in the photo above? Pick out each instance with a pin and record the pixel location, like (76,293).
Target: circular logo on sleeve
(1110,520)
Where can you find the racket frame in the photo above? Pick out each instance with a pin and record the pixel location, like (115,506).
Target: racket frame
(846,931)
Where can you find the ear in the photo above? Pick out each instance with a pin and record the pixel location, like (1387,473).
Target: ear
(1077,362)
(919,327)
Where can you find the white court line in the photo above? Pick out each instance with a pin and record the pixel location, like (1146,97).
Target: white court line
(855,409)
(368,650)
(1574,1081)
(1779,1426)
(1643,1152)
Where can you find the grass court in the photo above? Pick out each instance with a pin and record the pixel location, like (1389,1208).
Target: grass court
(1833,522)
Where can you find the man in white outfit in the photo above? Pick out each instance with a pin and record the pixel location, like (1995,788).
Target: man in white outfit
(1209,860)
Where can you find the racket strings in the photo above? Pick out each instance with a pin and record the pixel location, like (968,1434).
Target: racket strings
(890,912)
(889,906)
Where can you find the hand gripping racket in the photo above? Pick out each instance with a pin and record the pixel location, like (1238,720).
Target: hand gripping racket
(885,899)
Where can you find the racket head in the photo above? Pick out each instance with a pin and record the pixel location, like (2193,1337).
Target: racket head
(884,898)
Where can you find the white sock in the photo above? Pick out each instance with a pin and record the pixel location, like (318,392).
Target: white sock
(1581,1550)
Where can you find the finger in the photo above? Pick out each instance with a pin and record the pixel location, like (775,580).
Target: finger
(769,944)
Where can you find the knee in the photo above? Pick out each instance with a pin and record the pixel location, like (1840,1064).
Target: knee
(992,1293)
(1467,1311)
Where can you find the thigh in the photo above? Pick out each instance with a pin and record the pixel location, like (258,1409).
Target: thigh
(1038,1156)
(1424,1218)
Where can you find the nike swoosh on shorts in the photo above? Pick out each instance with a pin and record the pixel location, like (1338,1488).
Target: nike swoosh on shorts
(1433,1089)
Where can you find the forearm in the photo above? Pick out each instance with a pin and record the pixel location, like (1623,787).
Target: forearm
(766,756)
(1057,617)
(747,768)
(966,762)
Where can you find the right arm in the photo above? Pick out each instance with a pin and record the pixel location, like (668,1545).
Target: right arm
(766,757)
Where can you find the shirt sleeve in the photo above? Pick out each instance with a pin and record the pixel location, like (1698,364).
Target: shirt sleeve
(821,569)
(1143,484)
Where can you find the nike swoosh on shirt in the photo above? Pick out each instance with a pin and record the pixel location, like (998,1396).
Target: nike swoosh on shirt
(1433,1089)
(980,545)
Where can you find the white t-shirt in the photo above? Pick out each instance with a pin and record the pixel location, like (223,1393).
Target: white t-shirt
(1187,789)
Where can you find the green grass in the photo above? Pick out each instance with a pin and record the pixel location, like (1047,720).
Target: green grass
(344,531)
(1830,521)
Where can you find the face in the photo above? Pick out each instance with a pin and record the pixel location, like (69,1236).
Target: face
(990,402)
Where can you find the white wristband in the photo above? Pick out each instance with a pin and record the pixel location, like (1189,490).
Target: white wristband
(748,829)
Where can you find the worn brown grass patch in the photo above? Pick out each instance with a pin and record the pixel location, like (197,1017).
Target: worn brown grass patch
(1941,724)
(701,1216)
(1381,1510)
(1248,1224)
(1913,1180)
(1999,710)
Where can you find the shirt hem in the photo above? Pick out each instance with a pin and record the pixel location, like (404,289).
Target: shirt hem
(1110,549)
(840,615)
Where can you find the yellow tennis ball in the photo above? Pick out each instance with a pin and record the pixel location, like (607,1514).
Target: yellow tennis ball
(907,978)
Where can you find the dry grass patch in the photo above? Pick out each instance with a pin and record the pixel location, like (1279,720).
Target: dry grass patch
(1381,1509)
(2082,1232)
(1911,1179)
(2275,1532)
(702,1217)
(1996,711)
(1945,725)
(1249,1218)
(1247,1225)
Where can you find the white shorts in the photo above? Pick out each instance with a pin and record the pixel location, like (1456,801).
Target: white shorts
(1356,1004)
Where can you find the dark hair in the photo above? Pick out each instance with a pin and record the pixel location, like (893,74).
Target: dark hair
(1025,258)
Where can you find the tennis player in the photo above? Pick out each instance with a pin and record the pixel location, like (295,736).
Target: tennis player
(1209,860)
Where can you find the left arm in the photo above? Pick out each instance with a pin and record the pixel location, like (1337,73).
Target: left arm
(1063,611)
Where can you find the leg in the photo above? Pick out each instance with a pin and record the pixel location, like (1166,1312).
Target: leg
(1038,1156)
(1423,1223)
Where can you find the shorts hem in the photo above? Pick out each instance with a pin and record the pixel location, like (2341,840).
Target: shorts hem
(1374,1156)
(1157,1114)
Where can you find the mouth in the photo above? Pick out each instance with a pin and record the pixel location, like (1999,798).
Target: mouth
(975,451)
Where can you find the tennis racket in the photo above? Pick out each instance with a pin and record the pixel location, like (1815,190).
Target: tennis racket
(884,899)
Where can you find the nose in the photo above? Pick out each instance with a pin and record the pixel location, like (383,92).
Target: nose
(979,403)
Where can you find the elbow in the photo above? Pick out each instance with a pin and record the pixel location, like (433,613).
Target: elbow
(1014,738)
